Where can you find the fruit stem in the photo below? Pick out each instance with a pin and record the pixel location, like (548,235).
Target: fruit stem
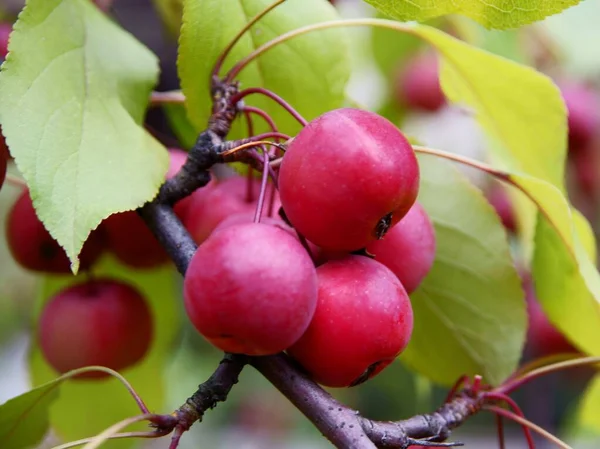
(247,145)
(115,428)
(524,422)
(273,96)
(531,375)
(270,135)
(117,436)
(500,425)
(252,110)
(15,181)
(221,59)
(168,97)
(263,187)
(516,409)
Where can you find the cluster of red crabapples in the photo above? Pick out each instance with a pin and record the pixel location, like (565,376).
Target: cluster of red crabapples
(99,321)
(330,285)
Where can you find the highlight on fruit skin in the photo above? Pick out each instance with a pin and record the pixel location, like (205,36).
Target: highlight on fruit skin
(102,321)
(362,322)
(251,288)
(346,178)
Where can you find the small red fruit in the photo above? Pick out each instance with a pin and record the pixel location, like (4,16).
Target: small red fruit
(583,112)
(99,322)
(543,338)
(251,288)
(418,84)
(32,246)
(363,321)
(211,206)
(408,249)
(346,178)
(5,30)
(132,242)
(500,201)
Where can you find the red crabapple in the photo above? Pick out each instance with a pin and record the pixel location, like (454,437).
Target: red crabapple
(32,246)
(417,83)
(251,288)
(3,160)
(5,30)
(583,112)
(408,249)
(230,196)
(99,322)
(177,158)
(132,242)
(500,201)
(363,321)
(542,335)
(346,178)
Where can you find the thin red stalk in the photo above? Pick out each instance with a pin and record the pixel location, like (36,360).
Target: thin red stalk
(270,135)
(176,437)
(250,175)
(238,36)
(457,385)
(273,96)
(263,187)
(516,409)
(500,424)
(252,110)
(518,419)
(272,196)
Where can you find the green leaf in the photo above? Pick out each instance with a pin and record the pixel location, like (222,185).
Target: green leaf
(588,411)
(470,314)
(71,106)
(24,419)
(170,12)
(309,72)
(524,112)
(491,14)
(180,124)
(85,408)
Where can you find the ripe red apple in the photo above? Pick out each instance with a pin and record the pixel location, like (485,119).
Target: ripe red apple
(99,322)
(583,109)
(500,201)
(5,30)
(417,83)
(3,159)
(251,288)
(132,242)
(32,246)
(408,249)
(363,321)
(209,207)
(346,178)
(542,336)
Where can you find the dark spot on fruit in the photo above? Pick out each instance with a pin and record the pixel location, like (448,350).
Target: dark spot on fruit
(383,226)
(366,375)
(49,250)
(225,335)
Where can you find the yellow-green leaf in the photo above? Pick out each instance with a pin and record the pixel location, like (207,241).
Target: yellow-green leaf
(491,13)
